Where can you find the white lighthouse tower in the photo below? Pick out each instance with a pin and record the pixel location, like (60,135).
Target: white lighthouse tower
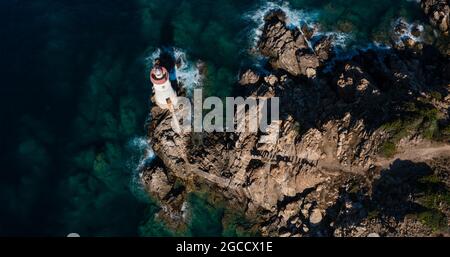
(165,96)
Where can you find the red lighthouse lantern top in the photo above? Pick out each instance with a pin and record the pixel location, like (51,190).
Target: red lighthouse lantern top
(159,75)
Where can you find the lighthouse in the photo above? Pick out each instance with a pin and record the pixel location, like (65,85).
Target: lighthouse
(165,96)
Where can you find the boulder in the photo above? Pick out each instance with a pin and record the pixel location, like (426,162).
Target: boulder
(308,64)
(316,217)
(271,80)
(438,14)
(353,83)
(249,78)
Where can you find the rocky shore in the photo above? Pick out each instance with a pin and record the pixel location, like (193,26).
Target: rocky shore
(363,148)
(438,13)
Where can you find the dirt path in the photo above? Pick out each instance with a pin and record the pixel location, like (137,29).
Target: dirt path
(416,154)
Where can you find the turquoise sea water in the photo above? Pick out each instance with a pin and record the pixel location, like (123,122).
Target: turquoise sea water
(75,98)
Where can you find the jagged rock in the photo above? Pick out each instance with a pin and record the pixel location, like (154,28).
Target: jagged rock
(308,64)
(249,78)
(406,36)
(307,31)
(316,217)
(288,48)
(409,42)
(401,27)
(438,13)
(416,30)
(271,80)
(156,182)
(279,44)
(286,234)
(323,48)
(311,72)
(274,16)
(354,83)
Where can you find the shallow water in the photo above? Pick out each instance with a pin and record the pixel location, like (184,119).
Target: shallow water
(75,96)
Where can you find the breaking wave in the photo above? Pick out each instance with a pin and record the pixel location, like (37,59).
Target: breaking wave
(142,155)
(346,46)
(405,30)
(295,18)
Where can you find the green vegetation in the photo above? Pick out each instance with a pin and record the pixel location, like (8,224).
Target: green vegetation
(433,200)
(416,117)
(433,219)
(373,214)
(388,149)
(436,198)
(430,181)
(444,133)
(436,95)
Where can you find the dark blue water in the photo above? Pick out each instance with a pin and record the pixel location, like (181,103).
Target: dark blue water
(74,94)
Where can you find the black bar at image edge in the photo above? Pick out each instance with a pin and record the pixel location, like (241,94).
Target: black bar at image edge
(225,246)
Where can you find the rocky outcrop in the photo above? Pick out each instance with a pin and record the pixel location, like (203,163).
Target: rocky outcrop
(353,83)
(320,174)
(291,49)
(157,183)
(249,78)
(407,36)
(438,12)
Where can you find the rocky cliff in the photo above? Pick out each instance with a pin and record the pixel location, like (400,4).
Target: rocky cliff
(438,13)
(363,148)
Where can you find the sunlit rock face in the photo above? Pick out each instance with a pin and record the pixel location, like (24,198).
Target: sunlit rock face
(438,11)
(339,139)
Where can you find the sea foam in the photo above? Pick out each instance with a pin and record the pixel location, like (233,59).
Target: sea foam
(185,72)
(142,155)
(295,18)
